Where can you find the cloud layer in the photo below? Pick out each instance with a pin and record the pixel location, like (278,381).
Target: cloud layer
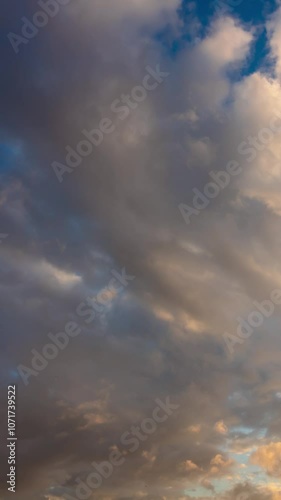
(160,334)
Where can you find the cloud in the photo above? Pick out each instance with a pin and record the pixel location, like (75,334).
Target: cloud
(190,466)
(228,43)
(274,33)
(268,457)
(119,208)
(221,428)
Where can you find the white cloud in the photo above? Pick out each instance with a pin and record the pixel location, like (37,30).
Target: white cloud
(228,43)
(274,34)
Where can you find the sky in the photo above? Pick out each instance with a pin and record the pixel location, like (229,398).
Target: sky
(140,217)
